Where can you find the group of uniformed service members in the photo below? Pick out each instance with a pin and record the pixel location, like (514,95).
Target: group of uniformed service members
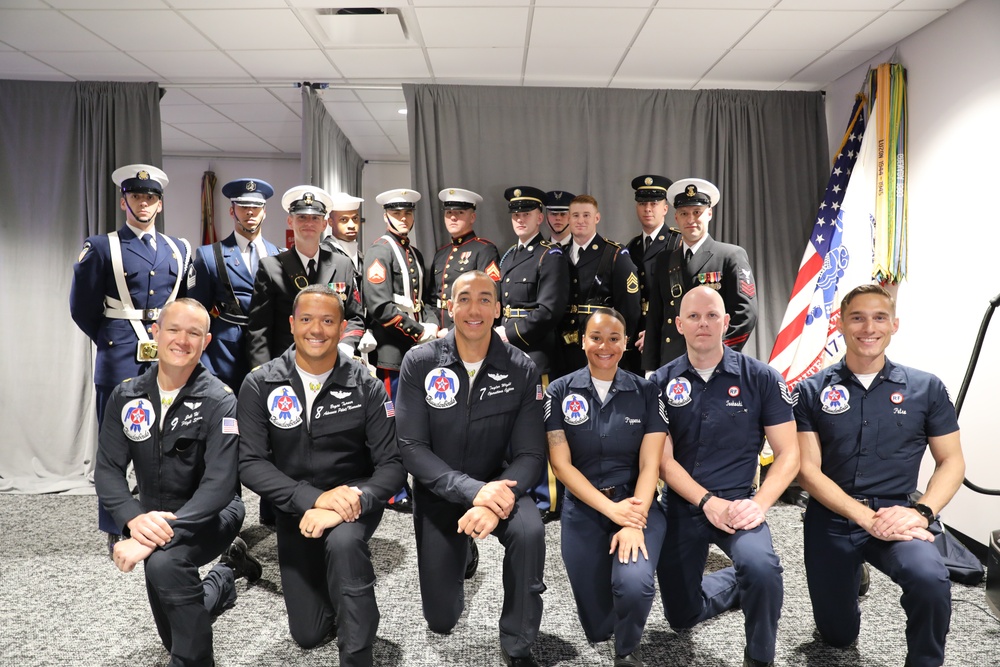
(355,370)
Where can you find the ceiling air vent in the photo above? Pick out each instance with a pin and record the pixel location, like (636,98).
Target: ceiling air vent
(362,26)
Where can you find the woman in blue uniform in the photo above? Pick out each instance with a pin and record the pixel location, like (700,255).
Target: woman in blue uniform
(606,429)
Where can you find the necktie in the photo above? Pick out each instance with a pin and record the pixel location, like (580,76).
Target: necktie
(646,242)
(311,272)
(688,255)
(254,260)
(147,240)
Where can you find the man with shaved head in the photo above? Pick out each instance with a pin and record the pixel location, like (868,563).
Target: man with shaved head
(721,403)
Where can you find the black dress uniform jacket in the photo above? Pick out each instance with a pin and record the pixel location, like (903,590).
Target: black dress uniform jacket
(349,439)
(465,253)
(188,469)
(395,329)
(534,290)
(665,242)
(269,333)
(722,266)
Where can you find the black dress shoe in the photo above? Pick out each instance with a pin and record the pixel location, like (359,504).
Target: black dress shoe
(472,564)
(549,517)
(750,662)
(238,557)
(866,580)
(630,660)
(113,539)
(519,661)
(404,505)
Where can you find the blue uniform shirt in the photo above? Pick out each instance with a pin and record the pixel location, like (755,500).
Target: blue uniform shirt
(873,440)
(717,427)
(604,440)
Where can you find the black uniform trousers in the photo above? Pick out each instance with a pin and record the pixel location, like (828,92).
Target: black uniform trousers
(329,585)
(835,547)
(182,603)
(442,554)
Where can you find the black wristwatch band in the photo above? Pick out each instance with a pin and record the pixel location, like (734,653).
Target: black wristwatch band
(701,505)
(925,512)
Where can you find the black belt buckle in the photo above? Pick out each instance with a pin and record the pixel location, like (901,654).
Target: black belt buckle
(608,491)
(864,501)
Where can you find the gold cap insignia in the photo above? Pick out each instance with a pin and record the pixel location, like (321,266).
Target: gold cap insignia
(648,181)
(143,175)
(691,191)
(517,192)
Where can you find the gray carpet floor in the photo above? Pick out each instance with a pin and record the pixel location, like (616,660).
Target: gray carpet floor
(63,603)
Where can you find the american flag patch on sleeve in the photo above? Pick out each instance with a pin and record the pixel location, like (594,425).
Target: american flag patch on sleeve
(538,392)
(230,425)
(390,410)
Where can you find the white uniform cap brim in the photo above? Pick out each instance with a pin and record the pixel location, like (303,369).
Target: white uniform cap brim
(345,202)
(297,193)
(458,194)
(703,186)
(130,170)
(398,195)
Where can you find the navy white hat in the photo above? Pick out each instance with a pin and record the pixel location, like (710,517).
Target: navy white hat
(247,191)
(345,202)
(650,187)
(523,198)
(693,192)
(140,178)
(306,200)
(558,200)
(457,198)
(398,199)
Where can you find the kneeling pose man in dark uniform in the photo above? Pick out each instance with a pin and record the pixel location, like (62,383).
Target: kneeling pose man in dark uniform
(177,423)
(471,434)
(319,442)
(721,404)
(860,478)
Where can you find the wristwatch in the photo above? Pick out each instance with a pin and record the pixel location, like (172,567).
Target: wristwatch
(704,500)
(925,512)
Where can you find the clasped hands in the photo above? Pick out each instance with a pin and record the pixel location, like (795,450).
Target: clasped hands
(495,501)
(332,508)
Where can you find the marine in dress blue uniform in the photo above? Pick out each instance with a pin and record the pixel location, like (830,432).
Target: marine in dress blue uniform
(465,252)
(657,238)
(473,439)
(864,425)
(226,294)
(319,449)
(717,426)
(721,266)
(153,271)
(184,448)
(534,288)
(604,437)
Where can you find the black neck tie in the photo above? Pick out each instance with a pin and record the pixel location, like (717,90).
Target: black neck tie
(646,242)
(688,255)
(311,272)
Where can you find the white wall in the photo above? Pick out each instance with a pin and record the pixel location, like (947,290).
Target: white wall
(378,177)
(182,198)
(953,68)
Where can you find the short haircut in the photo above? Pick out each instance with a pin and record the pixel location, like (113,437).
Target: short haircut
(872,288)
(610,312)
(476,274)
(185,301)
(322,290)
(585,199)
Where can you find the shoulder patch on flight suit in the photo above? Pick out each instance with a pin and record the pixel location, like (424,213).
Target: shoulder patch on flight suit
(632,284)
(376,273)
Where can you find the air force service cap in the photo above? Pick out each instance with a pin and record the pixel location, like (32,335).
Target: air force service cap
(398,199)
(522,198)
(693,192)
(306,200)
(247,191)
(140,178)
(345,202)
(558,200)
(650,187)
(458,199)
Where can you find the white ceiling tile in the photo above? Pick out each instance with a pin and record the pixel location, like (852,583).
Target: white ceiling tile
(487,64)
(26,4)
(175,141)
(394,64)
(107,4)
(226,4)
(832,66)
(306,65)
(250,144)
(275,129)
(886,30)
(174,96)
(6,47)
(190,113)
(336,95)
(251,29)
(360,128)
(101,65)
(387,95)
(805,30)
(761,66)
(231,95)
(289,94)
(929,4)
(799,85)
(385,111)
(211,131)
(841,5)
(348,111)
(471,27)
(466,3)
(273,111)
(339,4)
(667,63)
(192,65)
(571,66)
(735,84)
(660,30)
(31,30)
(593,3)
(574,28)
(394,127)
(15,65)
(373,145)
(142,30)
(287,144)
(717,4)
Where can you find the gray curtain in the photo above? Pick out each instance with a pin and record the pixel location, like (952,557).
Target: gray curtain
(60,143)
(767,152)
(328,158)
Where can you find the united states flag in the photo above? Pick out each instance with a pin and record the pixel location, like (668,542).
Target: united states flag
(838,257)
(390,409)
(229,425)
